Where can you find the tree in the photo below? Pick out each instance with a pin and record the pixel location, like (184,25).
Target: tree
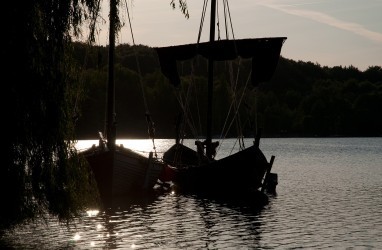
(41,171)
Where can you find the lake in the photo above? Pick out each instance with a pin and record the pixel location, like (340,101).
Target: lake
(329,196)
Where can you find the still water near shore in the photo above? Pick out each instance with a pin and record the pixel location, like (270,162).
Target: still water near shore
(329,196)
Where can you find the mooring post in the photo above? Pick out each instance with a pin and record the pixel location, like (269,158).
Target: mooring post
(257,138)
(267,173)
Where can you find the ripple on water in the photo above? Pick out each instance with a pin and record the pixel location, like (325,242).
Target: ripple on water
(328,197)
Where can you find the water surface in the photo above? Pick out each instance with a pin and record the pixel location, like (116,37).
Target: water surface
(328,196)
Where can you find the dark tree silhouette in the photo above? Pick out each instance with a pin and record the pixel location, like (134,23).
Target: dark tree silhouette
(40,171)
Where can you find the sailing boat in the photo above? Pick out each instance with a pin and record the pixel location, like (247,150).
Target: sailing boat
(197,170)
(118,170)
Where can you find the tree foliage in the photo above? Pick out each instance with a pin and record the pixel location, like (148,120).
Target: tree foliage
(301,99)
(41,172)
(182,6)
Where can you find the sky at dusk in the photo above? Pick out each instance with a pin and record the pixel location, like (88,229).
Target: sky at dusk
(327,32)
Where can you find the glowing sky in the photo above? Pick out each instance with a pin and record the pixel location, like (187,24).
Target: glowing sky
(327,32)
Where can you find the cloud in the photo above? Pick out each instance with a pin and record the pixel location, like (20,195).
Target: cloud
(320,17)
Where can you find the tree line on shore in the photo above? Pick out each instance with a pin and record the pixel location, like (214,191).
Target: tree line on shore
(301,99)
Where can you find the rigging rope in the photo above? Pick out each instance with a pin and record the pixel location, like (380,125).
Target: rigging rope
(218,20)
(150,123)
(230,19)
(76,111)
(184,104)
(202,19)
(225,19)
(236,103)
(237,99)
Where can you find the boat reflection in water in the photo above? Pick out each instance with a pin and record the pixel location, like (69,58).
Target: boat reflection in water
(166,220)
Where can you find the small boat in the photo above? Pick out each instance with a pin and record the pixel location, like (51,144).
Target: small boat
(246,170)
(119,171)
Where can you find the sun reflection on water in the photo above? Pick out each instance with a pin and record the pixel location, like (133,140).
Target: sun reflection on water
(77,237)
(92,213)
(142,146)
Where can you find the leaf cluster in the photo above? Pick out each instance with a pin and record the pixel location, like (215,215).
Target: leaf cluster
(40,170)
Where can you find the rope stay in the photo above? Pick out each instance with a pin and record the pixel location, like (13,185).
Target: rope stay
(237,99)
(235,102)
(233,115)
(150,123)
(89,43)
(202,19)
(184,100)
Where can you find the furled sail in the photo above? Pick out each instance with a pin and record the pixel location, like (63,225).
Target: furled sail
(265,53)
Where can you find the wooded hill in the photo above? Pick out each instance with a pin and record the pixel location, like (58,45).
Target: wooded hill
(302,98)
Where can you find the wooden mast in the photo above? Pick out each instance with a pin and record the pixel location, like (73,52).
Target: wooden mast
(110,108)
(209,146)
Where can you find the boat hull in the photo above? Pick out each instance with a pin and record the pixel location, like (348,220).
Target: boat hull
(243,171)
(122,172)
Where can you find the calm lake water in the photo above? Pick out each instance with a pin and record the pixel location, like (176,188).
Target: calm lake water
(329,196)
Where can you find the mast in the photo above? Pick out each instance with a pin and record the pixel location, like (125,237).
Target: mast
(209,149)
(110,108)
